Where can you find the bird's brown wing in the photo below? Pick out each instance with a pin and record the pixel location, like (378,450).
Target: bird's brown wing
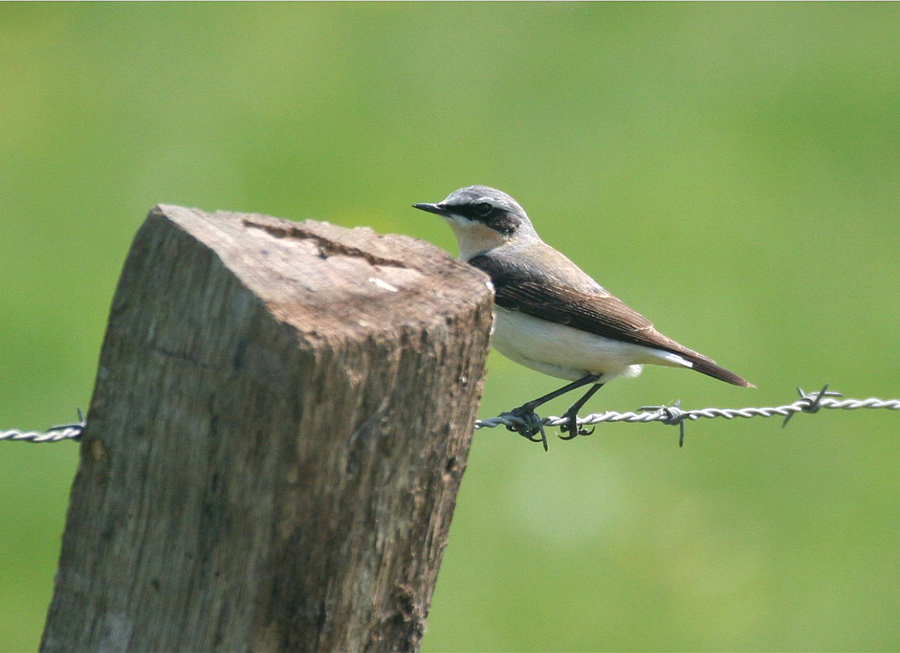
(598,312)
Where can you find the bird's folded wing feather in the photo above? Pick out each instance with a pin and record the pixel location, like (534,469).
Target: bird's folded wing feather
(596,312)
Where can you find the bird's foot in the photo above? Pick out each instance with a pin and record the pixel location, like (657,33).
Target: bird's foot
(531,426)
(571,428)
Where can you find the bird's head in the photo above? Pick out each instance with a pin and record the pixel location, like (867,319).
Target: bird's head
(482,218)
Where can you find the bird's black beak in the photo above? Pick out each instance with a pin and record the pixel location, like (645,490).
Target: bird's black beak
(432,208)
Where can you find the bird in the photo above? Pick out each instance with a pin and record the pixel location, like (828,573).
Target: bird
(550,315)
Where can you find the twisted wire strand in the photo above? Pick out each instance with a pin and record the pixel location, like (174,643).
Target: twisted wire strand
(808,403)
(54,434)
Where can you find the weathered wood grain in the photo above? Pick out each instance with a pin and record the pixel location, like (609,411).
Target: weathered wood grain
(278,431)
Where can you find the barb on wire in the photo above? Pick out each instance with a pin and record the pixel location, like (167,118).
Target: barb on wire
(810,402)
(53,434)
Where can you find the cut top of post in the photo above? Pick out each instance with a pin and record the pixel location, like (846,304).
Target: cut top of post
(348,277)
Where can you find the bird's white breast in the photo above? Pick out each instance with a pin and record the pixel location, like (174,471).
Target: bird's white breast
(568,353)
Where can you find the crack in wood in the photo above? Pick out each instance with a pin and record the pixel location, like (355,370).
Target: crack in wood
(326,247)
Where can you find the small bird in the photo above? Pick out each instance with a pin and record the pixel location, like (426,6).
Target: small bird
(551,316)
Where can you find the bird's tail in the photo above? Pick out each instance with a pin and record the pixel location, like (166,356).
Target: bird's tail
(709,367)
(696,361)
(677,355)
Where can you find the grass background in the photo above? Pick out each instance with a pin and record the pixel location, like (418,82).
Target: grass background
(733,171)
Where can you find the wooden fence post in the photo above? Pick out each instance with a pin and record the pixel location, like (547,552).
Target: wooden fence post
(278,431)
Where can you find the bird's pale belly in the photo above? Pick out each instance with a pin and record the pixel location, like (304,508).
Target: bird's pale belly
(568,353)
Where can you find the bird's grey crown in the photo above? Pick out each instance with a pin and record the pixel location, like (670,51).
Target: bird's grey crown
(471,195)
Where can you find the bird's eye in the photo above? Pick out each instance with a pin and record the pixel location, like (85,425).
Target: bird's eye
(483,209)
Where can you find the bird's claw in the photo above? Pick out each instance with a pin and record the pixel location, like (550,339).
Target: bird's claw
(571,427)
(531,425)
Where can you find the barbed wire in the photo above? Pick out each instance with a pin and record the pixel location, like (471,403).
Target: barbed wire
(53,434)
(810,402)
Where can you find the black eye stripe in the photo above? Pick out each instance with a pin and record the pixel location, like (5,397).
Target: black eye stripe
(478,211)
(483,209)
(497,218)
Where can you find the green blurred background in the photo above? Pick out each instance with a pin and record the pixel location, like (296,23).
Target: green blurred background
(733,171)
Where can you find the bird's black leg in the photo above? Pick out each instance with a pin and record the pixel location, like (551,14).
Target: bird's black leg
(571,426)
(532,421)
